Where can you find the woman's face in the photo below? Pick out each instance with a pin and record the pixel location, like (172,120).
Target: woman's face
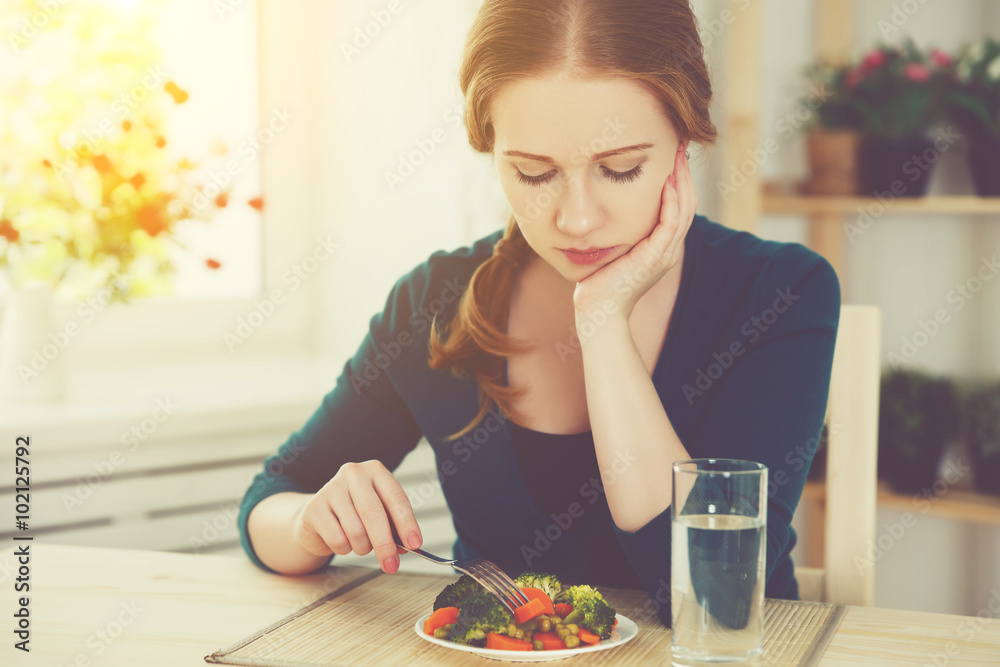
(583,163)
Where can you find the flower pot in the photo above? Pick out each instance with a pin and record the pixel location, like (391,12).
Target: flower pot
(986,467)
(919,417)
(833,162)
(911,476)
(981,432)
(896,166)
(984,163)
(32,363)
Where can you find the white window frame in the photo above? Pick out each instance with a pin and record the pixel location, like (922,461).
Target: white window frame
(158,334)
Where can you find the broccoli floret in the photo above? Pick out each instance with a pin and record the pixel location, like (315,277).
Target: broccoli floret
(590,609)
(453,594)
(547,582)
(479,615)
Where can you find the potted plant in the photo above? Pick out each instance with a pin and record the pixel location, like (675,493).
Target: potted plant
(918,418)
(832,139)
(981,433)
(898,94)
(974,103)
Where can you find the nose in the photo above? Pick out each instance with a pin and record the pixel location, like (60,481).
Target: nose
(578,211)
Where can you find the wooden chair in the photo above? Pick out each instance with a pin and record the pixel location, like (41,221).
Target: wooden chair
(851,468)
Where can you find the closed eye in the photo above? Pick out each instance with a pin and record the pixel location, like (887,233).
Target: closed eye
(610,174)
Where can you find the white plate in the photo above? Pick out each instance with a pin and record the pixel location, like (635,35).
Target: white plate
(624,631)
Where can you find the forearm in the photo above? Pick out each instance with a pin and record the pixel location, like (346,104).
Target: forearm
(635,442)
(269,527)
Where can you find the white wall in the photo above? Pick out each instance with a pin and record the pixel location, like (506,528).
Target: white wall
(399,89)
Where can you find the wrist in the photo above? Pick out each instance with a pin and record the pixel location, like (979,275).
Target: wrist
(601,327)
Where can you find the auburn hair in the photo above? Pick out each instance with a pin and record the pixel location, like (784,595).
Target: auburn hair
(653,42)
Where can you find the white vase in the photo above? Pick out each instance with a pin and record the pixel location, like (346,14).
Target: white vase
(32,363)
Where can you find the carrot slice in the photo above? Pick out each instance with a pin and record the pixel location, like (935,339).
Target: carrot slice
(442,616)
(615,623)
(564,609)
(494,640)
(526,612)
(538,593)
(550,640)
(587,637)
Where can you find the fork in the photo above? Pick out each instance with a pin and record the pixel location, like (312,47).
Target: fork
(489,576)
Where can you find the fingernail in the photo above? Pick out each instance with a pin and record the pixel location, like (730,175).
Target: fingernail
(413,540)
(390,565)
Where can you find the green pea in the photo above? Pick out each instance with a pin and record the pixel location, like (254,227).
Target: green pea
(441,633)
(572,641)
(538,645)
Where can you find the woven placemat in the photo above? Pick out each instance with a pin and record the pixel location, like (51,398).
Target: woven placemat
(370,622)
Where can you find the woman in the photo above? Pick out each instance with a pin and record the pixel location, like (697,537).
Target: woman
(557,388)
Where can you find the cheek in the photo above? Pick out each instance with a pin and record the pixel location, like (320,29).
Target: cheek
(640,210)
(528,204)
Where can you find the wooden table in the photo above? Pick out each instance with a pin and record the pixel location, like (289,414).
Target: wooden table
(95,606)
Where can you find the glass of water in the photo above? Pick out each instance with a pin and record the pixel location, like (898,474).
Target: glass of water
(718,540)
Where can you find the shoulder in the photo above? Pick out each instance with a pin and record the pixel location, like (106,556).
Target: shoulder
(434,285)
(732,260)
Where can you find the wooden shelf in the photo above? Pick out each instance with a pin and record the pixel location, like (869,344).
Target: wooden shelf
(786,198)
(953,504)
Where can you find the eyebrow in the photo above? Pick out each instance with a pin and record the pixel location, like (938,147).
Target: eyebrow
(593,158)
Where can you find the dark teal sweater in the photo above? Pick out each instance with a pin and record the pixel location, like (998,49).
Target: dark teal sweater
(744,373)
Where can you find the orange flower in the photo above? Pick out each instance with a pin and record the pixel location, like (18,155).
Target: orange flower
(137,180)
(8,232)
(257,203)
(101,163)
(179,94)
(47,163)
(222,200)
(160,142)
(212,263)
(126,125)
(150,218)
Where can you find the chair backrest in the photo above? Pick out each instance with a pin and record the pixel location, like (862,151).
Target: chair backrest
(847,577)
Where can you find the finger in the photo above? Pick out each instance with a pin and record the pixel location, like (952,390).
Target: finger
(325,527)
(683,192)
(669,218)
(350,522)
(305,533)
(687,198)
(394,498)
(376,521)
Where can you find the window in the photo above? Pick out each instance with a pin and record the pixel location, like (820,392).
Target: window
(243,126)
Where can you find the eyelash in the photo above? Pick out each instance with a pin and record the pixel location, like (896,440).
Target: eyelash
(616,176)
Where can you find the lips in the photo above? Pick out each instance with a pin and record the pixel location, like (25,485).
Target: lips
(587,257)
(586,251)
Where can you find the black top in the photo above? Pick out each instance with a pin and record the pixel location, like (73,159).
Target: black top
(564,479)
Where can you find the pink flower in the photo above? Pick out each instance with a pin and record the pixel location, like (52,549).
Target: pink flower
(873,60)
(916,72)
(940,58)
(853,77)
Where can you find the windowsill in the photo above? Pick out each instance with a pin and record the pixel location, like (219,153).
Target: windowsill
(200,399)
